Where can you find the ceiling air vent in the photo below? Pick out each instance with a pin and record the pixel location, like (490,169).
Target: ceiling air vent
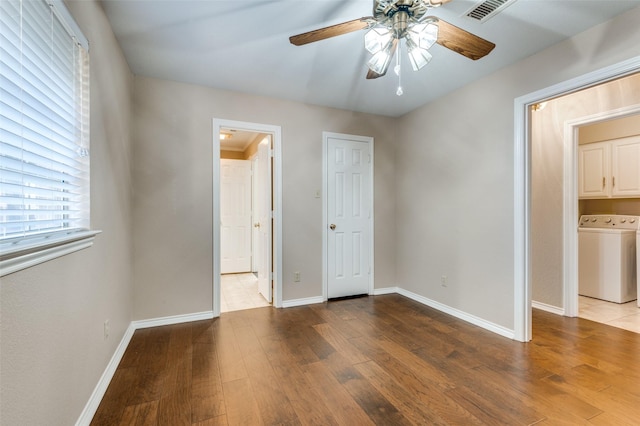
(488,9)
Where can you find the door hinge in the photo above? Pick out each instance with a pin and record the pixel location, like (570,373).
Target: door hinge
(271,276)
(369,158)
(271,214)
(272,153)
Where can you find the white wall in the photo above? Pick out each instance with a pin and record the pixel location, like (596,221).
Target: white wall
(455,175)
(52,350)
(173,246)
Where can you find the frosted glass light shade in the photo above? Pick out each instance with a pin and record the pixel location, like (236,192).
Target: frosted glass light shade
(418,56)
(423,35)
(380,61)
(377,39)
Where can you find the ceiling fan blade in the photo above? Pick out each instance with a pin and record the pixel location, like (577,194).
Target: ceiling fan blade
(461,41)
(372,74)
(332,31)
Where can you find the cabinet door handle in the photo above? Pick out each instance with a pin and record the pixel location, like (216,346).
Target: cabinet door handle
(604,179)
(614,182)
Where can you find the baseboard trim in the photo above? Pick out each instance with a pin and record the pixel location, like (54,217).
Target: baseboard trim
(175,319)
(386,290)
(487,325)
(301,302)
(98,392)
(548,308)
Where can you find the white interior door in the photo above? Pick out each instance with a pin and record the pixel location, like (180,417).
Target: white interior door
(349,216)
(235,214)
(265,223)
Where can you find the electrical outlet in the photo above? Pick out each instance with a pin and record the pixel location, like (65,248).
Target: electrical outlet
(443,280)
(106,329)
(296,277)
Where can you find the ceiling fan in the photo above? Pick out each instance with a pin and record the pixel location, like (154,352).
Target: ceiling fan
(394,21)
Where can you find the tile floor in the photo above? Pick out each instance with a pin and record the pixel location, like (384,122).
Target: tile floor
(624,315)
(240,291)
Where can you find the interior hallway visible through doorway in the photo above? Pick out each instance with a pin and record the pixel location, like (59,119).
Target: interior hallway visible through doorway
(240,291)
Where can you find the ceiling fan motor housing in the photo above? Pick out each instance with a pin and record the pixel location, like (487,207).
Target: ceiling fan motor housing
(400,13)
(400,22)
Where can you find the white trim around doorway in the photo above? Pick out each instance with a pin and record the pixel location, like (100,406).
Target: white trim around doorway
(276,132)
(522,191)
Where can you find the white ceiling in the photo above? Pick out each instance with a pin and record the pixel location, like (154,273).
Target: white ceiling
(244,46)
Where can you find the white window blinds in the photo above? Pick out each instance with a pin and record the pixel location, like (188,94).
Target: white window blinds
(44,121)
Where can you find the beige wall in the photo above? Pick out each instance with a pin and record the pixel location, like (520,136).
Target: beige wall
(630,206)
(455,175)
(612,129)
(547,177)
(232,155)
(443,205)
(53,352)
(173,179)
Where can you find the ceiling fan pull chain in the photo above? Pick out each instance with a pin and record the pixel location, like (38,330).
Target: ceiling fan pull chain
(398,70)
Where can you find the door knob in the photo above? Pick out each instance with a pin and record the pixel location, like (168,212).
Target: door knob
(332,226)
(256,225)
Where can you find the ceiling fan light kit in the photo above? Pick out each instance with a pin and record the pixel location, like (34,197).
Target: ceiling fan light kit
(377,39)
(397,21)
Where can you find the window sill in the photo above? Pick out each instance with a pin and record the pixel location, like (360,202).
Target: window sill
(24,254)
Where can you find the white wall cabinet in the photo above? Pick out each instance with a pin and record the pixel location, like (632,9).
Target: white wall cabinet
(609,169)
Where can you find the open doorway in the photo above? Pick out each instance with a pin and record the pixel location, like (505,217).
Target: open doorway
(246,230)
(569,205)
(575,153)
(246,215)
(617,135)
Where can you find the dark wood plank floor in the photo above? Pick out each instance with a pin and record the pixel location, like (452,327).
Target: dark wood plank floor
(383,360)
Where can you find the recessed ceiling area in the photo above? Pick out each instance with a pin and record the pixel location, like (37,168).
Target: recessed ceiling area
(244,47)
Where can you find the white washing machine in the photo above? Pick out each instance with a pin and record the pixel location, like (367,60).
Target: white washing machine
(607,257)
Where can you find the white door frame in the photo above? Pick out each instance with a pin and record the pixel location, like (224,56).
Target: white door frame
(325,223)
(522,193)
(276,131)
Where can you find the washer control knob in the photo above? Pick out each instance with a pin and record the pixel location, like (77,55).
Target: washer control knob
(607,220)
(623,220)
(632,220)
(593,219)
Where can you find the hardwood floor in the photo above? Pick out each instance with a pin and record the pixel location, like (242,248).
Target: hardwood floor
(383,360)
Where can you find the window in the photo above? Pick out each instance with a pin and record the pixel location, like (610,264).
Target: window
(44,134)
